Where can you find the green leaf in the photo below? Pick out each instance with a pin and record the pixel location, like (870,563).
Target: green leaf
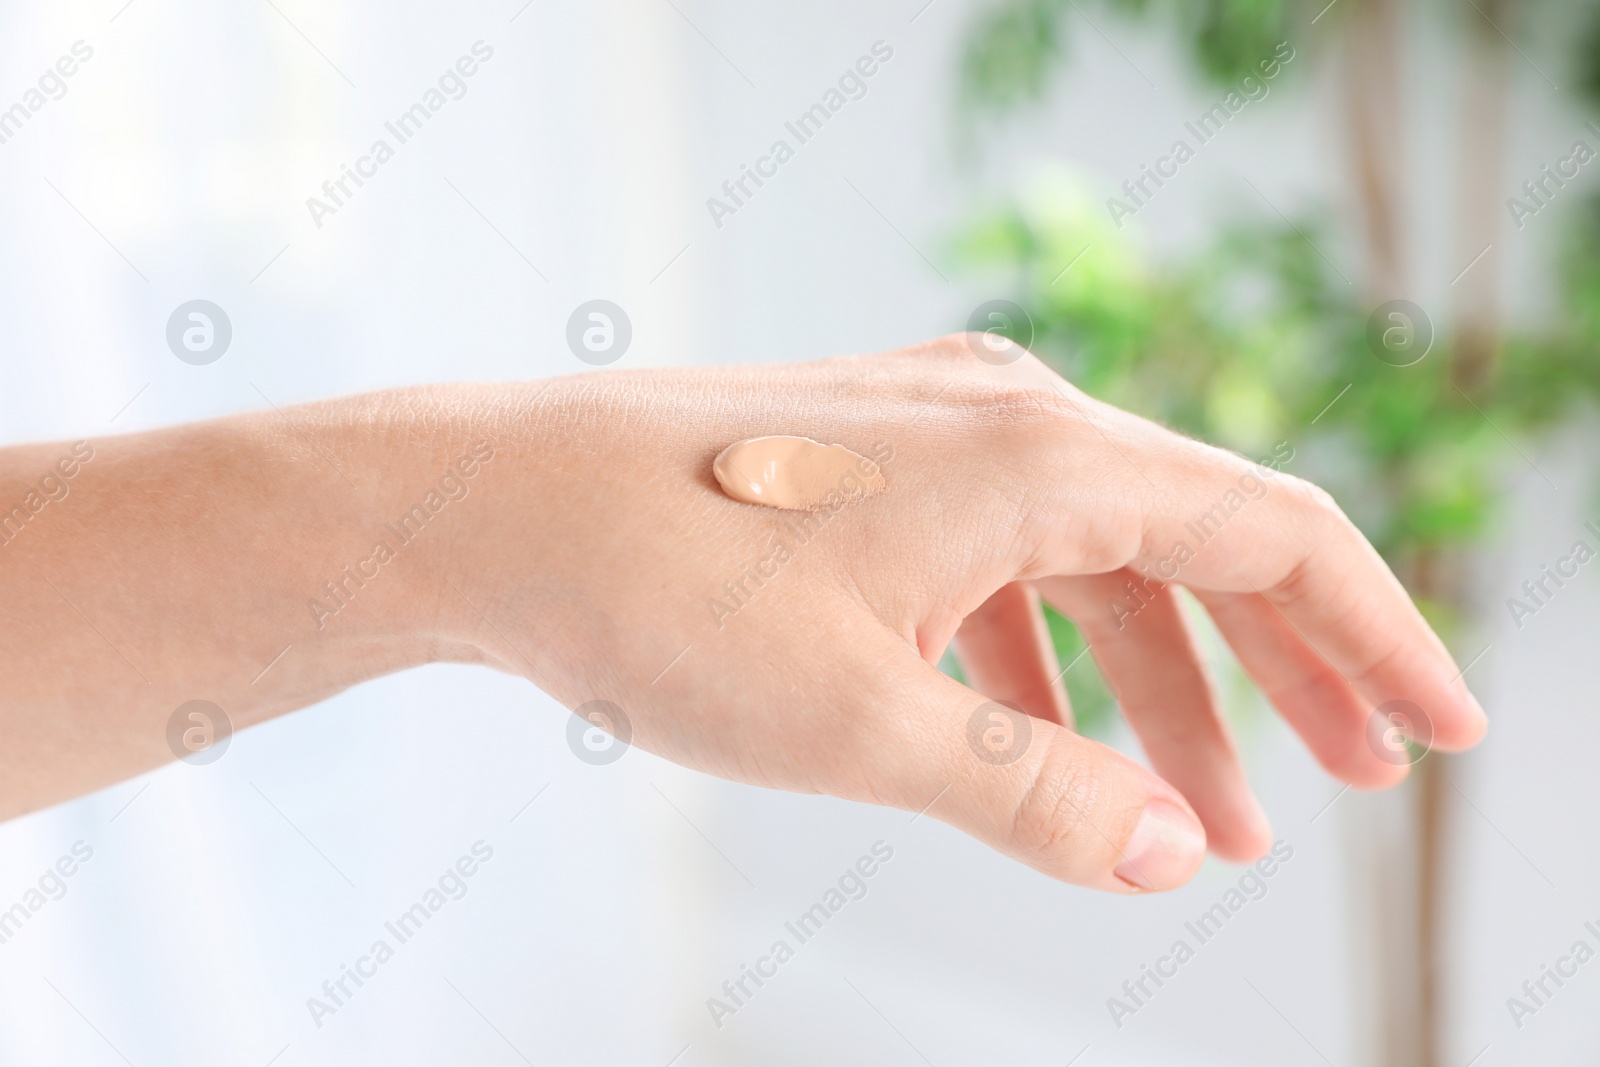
(1010,52)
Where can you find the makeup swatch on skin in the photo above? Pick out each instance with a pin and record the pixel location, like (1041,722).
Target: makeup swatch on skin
(795,473)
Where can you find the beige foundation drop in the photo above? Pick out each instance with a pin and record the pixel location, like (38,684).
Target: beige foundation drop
(795,473)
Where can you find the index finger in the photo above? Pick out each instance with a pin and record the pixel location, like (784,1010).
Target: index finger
(1198,516)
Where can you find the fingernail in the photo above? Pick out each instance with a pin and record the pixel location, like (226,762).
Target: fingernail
(1165,849)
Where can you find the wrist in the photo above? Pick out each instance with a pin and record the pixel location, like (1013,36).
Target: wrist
(401,476)
(453,536)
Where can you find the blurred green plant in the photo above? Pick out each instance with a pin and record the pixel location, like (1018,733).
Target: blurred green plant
(1258,339)
(1013,46)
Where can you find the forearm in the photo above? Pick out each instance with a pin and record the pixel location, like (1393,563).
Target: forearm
(261,562)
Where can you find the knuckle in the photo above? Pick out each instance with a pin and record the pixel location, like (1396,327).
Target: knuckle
(1026,392)
(956,349)
(1312,499)
(1032,413)
(1053,825)
(1008,415)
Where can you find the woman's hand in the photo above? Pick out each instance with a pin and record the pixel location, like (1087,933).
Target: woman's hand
(591,550)
(797,651)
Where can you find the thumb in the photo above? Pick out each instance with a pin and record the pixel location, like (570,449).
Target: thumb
(1068,806)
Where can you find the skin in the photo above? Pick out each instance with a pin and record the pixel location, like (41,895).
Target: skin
(585,554)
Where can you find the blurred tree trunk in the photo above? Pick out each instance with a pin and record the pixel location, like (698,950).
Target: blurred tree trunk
(1375,125)
(1485,92)
(1401,898)
(1389,950)
(1394,1008)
